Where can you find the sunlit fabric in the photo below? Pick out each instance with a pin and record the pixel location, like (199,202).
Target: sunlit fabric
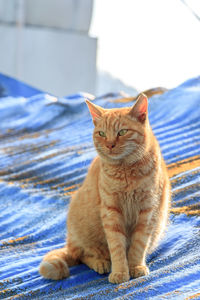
(45,150)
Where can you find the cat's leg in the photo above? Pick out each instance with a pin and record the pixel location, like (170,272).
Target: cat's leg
(114,228)
(55,264)
(97,259)
(139,244)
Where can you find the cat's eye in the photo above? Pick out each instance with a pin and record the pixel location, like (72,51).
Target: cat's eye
(122,132)
(101,133)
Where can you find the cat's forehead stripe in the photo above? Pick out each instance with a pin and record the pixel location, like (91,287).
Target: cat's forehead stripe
(117,119)
(112,121)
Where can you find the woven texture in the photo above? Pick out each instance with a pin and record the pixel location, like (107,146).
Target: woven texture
(45,151)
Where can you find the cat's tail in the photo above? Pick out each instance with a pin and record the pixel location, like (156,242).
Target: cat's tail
(55,264)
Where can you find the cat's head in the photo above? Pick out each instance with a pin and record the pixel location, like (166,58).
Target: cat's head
(121,134)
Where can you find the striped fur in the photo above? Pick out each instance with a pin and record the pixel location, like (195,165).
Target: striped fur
(121,210)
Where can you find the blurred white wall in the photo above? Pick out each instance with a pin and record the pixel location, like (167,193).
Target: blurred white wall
(46,44)
(147,43)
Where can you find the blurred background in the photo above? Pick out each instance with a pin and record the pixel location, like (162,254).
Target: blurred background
(100,46)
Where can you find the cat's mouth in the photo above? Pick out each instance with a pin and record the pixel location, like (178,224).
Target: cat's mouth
(110,153)
(113,154)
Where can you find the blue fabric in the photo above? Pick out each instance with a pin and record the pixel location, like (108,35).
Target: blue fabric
(12,87)
(45,150)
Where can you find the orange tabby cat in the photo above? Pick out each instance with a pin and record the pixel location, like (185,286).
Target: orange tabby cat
(121,210)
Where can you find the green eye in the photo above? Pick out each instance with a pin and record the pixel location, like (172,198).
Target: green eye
(122,132)
(101,133)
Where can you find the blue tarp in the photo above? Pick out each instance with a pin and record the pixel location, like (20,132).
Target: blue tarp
(45,150)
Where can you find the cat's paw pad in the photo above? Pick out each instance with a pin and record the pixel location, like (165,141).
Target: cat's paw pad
(138,271)
(54,269)
(102,266)
(118,277)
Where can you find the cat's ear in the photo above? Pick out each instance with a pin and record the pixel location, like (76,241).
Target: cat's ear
(140,109)
(95,111)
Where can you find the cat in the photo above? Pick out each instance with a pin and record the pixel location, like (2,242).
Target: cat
(121,210)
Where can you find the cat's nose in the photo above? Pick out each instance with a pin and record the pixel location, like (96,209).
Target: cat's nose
(110,145)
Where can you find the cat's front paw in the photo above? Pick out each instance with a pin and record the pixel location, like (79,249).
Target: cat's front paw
(138,271)
(118,277)
(102,266)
